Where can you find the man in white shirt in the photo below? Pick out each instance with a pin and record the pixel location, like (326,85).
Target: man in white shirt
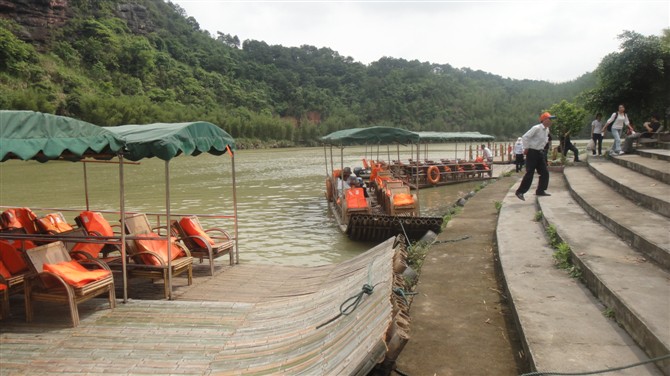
(488,156)
(533,142)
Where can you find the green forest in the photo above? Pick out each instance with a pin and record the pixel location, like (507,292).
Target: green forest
(106,67)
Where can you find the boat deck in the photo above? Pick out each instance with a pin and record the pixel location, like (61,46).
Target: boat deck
(260,319)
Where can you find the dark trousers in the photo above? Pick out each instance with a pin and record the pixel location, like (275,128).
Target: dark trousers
(597,143)
(519,162)
(535,161)
(573,148)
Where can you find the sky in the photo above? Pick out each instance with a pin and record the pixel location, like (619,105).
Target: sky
(552,40)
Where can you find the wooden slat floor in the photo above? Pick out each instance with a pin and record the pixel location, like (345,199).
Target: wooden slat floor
(246,319)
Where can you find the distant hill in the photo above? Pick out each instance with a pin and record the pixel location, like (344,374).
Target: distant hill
(119,62)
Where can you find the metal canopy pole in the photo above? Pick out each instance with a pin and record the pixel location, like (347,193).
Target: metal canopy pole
(341,193)
(86,187)
(167,227)
(237,249)
(122,208)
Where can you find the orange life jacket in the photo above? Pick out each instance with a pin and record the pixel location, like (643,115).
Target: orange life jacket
(192,227)
(53,223)
(12,258)
(19,218)
(356,198)
(95,224)
(74,274)
(4,272)
(403,199)
(158,246)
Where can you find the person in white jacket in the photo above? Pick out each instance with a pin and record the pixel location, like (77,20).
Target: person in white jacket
(518,154)
(615,124)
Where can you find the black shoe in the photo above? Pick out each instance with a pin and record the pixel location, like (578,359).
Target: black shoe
(520,196)
(576,160)
(542,194)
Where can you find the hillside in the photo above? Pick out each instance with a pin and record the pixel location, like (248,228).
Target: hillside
(115,62)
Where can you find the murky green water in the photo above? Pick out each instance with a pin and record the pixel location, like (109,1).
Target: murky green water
(283,215)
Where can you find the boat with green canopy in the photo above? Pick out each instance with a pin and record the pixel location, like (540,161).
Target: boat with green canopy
(430,172)
(381,206)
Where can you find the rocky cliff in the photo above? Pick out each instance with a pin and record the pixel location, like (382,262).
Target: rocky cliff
(39,18)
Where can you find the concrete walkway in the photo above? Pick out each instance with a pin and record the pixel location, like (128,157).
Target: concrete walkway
(459,316)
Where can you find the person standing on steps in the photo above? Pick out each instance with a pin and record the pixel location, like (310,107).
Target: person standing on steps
(597,134)
(534,142)
(615,125)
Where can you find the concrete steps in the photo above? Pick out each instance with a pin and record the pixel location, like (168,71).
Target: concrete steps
(613,214)
(562,325)
(636,290)
(644,229)
(653,164)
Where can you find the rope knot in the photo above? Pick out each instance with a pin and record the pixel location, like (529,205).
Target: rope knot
(368,289)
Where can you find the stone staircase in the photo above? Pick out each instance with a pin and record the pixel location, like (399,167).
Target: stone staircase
(614,214)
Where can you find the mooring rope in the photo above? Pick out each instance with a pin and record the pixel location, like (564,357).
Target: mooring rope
(403,294)
(667,356)
(452,240)
(366,289)
(403,230)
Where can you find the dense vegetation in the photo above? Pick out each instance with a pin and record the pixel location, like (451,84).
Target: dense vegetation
(102,68)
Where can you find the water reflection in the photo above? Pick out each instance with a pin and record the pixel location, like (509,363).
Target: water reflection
(283,215)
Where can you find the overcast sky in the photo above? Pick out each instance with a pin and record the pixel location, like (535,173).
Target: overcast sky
(553,40)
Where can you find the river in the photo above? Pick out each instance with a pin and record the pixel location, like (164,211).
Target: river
(283,216)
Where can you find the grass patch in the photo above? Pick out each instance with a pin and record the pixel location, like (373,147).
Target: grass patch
(453,211)
(562,253)
(498,205)
(538,216)
(609,313)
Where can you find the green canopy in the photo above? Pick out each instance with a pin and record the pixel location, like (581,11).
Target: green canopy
(166,141)
(371,136)
(454,137)
(33,135)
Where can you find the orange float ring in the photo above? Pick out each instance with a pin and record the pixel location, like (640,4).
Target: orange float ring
(433,174)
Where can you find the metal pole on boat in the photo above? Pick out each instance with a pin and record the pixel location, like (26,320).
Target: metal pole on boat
(341,193)
(418,151)
(325,158)
(122,208)
(237,249)
(85,186)
(167,214)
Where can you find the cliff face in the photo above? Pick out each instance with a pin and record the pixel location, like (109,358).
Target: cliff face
(38,17)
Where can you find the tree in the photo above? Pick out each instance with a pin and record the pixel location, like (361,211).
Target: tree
(569,118)
(638,76)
